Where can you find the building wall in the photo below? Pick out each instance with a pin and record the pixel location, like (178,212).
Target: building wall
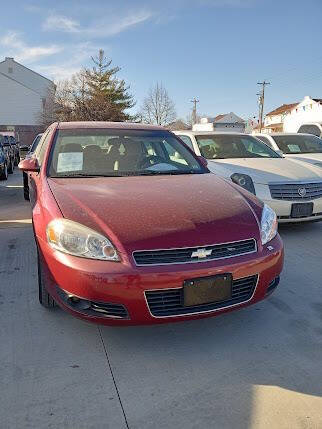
(307,111)
(18,104)
(25,76)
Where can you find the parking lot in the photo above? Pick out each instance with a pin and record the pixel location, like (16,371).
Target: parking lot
(256,368)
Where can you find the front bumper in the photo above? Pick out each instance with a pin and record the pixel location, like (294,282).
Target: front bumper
(283,208)
(118,291)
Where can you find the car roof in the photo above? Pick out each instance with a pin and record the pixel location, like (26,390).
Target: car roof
(210,133)
(107,125)
(282,134)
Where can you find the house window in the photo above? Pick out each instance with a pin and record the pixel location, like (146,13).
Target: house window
(10,70)
(43,102)
(304,108)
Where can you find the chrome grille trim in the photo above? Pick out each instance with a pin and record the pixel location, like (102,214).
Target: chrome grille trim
(182,255)
(290,191)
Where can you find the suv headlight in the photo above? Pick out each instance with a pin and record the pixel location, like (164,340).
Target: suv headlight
(244,181)
(78,240)
(268,224)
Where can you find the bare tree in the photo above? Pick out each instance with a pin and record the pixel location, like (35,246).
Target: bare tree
(157,107)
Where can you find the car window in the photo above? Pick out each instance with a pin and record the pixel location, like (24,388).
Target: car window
(265,140)
(221,146)
(187,140)
(299,144)
(126,152)
(41,147)
(310,129)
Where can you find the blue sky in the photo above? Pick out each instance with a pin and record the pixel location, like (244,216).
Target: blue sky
(215,50)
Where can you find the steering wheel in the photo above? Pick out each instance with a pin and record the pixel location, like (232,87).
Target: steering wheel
(151,160)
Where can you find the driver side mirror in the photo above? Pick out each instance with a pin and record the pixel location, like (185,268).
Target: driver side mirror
(280,152)
(29,164)
(203,160)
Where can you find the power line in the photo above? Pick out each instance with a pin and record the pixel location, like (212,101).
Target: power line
(194,110)
(261,103)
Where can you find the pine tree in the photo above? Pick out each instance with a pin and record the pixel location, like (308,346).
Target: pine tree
(107,98)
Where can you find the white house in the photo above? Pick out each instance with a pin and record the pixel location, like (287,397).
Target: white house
(23,95)
(224,122)
(308,110)
(274,120)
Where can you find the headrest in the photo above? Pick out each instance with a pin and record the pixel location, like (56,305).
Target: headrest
(93,150)
(72,147)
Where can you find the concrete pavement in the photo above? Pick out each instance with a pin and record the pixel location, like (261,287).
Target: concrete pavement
(256,368)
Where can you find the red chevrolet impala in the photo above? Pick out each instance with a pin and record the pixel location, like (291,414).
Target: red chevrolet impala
(132,228)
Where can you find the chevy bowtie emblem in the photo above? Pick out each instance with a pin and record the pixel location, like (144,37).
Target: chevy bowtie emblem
(201,253)
(302,192)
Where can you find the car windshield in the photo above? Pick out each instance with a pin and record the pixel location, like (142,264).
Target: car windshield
(299,144)
(233,146)
(115,152)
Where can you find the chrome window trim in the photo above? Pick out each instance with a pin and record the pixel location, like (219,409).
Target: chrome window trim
(195,247)
(199,312)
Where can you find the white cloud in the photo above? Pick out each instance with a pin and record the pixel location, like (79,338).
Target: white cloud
(17,48)
(61,23)
(102,27)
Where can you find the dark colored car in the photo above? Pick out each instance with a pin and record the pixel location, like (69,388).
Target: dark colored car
(3,164)
(10,151)
(132,228)
(15,147)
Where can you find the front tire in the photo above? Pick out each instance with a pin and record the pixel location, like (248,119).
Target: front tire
(4,175)
(11,167)
(45,298)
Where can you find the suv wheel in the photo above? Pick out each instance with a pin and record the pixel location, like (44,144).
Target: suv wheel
(4,174)
(11,167)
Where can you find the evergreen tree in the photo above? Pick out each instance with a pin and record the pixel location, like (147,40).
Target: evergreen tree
(106,97)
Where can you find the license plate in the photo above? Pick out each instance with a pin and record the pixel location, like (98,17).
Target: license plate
(206,290)
(302,210)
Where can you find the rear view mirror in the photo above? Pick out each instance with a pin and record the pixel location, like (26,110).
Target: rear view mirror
(203,161)
(29,164)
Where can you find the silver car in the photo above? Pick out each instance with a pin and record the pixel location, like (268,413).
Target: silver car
(292,188)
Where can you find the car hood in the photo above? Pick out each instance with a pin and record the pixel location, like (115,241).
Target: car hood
(311,158)
(267,170)
(159,212)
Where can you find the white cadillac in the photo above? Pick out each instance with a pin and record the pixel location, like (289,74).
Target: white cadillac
(304,147)
(291,187)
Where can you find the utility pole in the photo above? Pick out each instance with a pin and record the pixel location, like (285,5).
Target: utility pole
(194,110)
(261,103)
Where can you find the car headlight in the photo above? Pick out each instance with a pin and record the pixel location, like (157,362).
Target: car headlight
(78,240)
(244,181)
(268,224)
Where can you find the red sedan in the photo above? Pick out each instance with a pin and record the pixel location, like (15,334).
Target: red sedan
(132,228)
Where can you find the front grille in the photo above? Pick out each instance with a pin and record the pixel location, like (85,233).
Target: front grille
(293,191)
(169,302)
(190,254)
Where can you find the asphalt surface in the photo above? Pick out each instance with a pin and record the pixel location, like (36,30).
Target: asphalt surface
(260,367)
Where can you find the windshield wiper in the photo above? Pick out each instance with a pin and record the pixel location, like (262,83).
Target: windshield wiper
(78,175)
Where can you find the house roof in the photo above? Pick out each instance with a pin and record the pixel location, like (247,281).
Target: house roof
(318,100)
(27,68)
(218,117)
(178,125)
(282,109)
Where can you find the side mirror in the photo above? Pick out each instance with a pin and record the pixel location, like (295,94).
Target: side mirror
(203,160)
(280,152)
(29,164)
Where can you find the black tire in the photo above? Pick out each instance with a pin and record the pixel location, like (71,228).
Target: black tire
(10,167)
(25,187)
(4,174)
(45,298)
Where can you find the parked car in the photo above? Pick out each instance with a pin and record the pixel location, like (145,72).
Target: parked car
(28,153)
(15,147)
(292,189)
(3,164)
(314,128)
(128,235)
(10,153)
(302,147)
